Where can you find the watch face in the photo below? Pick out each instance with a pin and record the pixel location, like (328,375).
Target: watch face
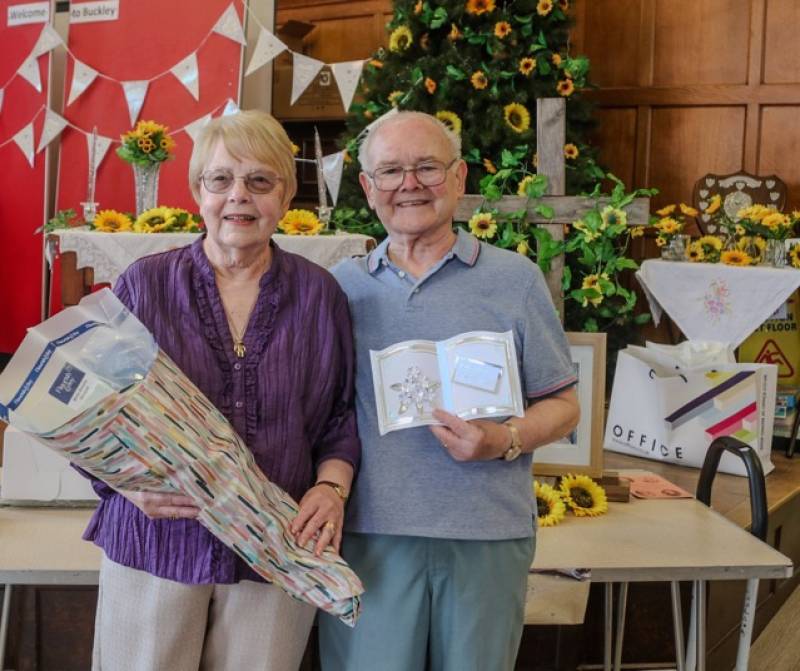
(512,453)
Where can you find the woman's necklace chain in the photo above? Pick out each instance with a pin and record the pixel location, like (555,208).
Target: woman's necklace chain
(238,337)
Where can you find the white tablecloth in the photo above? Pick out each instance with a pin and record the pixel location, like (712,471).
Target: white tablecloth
(712,301)
(109,254)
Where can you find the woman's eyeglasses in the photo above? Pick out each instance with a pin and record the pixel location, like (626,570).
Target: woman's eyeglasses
(221,181)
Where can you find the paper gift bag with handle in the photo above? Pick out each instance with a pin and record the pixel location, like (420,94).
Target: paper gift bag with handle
(668,406)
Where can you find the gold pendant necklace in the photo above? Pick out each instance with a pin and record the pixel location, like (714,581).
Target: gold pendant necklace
(238,338)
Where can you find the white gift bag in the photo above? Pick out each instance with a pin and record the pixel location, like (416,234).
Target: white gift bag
(667,406)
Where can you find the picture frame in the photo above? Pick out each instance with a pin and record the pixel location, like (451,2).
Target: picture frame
(582,451)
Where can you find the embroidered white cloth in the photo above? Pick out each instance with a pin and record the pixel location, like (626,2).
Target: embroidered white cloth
(109,254)
(712,301)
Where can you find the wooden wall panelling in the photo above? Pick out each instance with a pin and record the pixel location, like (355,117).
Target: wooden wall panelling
(616,138)
(782,62)
(614,61)
(780,148)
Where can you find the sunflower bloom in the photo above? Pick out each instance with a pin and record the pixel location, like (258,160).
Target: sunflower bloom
(295,149)
(375,63)
(775,221)
(478,80)
(666,211)
(478,7)
(517,117)
(489,166)
(556,60)
(544,7)
(455,33)
(523,185)
(754,212)
(300,222)
(451,120)
(483,225)
(522,248)
(612,216)
(550,508)
(430,85)
(695,253)
(669,226)
(571,151)
(714,204)
(637,231)
(156,220)
(565,87)
(688,211)
(527,66)
(111,221)
(394,97)
(400,39)
(734,257)
(502,29)
(418,7)
(583,496)
(710,241)
(794,256)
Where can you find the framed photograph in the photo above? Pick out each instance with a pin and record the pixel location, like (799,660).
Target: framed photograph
(582,450)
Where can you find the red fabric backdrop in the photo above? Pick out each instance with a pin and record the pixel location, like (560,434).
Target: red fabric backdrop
(21,187)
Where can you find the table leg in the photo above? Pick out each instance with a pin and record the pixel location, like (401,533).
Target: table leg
(4,623)
(746,629)
(609,616)
(622,602)
(691,642)
(677,624)
(701,625)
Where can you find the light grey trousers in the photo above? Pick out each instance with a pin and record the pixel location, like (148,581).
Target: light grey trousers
(145,623)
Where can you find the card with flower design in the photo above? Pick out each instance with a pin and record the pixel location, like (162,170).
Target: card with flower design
(472,375)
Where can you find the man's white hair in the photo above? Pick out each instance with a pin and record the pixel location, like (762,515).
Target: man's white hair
(453,139)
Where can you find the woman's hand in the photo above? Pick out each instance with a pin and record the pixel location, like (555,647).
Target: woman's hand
(158,506)
(322,513)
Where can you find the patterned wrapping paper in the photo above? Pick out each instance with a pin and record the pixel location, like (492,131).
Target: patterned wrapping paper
(148,437)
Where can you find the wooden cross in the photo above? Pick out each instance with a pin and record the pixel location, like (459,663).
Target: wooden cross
(551,128)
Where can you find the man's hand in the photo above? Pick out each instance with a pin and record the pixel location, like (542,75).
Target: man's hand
(158,506)
(476,440)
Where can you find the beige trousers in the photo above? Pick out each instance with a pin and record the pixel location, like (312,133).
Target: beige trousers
(145,623)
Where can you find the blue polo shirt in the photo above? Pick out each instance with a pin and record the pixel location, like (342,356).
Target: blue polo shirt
(408,484)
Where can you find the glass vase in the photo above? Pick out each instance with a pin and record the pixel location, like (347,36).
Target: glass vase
(146,182)
(776,253)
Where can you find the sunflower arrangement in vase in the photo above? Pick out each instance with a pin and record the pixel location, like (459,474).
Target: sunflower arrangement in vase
(669,226)
(146,147)
(577,493)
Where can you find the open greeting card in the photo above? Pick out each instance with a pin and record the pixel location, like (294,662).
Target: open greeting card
(472,375)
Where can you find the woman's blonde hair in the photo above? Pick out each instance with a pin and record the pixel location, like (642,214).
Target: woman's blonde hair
(252,135)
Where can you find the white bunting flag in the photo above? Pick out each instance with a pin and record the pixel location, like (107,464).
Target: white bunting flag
(347,76)
(82,76)
(135,93)
(30,70)
(230,108)
(267,47)
(48,39)
(304,70)
(228,25)
(2,95)
(24,140)
(193,129)
(53,125)
(101,145)
(186,73)
(332,166)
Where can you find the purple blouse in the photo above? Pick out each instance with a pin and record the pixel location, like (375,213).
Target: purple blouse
(290,398)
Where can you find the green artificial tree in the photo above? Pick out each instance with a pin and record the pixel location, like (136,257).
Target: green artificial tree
(479,66)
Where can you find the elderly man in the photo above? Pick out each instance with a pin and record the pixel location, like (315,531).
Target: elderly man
(440,524)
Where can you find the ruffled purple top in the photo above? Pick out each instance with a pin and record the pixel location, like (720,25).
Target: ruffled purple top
(290,398)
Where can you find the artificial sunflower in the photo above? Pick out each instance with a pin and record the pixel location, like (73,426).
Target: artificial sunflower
(450,119)
(775,221)
(489,166)
(565,87)
(660,242)
(637,231)
(400,39)
(523,248)
(300,222)
(754,212)
(478,80)
(295,149)
(556,60)
(394,97)
(375,63)
(156,220)
(455,33)
(483,225)
(734,257)
(111,221)
(750,243)
(612,216)
(550,508)
(571,151)
(592,283)
(517,117)
(502,29)
(418,7)
(478,7)
(430,85)
(583,496)
(688,211)
(714,204)
(522,189)
(695,253)
(527,66)
(794,255)
(740,230)
(544,7)
(666,211)
(669,226)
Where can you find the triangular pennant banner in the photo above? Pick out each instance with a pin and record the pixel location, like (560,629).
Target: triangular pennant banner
(53,125)
(101,145)
(304,70)
(30,71)
(347,76)
(48,39)
(267,47)
(82,76)
(230,108)
(193,129)
(24,140)
(186,73)
(332,166)
(135,93)
(229,26)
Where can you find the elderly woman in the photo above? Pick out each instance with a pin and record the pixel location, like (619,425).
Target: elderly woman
(265,334)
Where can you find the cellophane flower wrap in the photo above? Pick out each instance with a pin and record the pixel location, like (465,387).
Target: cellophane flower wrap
(136,422)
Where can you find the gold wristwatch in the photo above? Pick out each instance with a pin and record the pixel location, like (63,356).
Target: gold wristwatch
(515,449)
(341,492)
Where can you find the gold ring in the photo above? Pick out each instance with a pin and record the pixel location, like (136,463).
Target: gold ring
(330,526)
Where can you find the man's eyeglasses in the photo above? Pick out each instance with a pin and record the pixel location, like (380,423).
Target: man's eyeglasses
(427,173)
(221,181)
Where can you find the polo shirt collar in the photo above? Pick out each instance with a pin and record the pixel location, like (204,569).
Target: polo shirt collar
(466,249)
